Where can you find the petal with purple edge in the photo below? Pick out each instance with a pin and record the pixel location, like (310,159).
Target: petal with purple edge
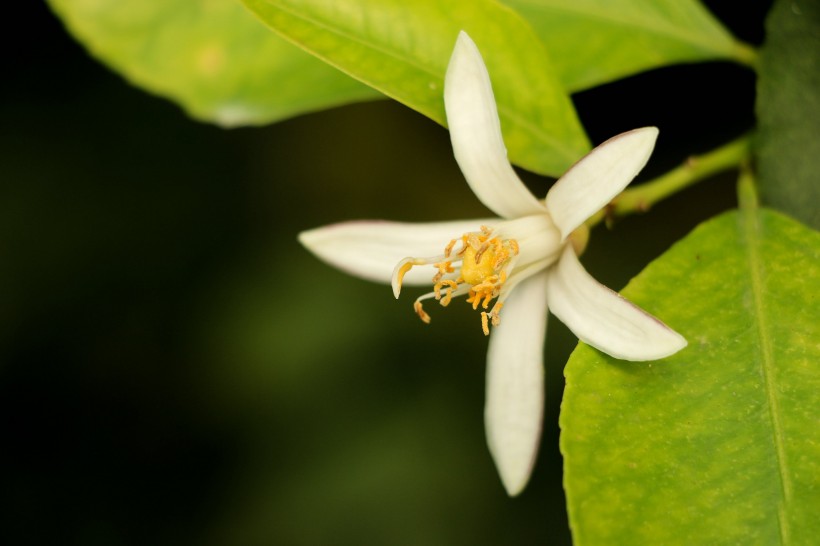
(515,383)
(598,177)
(605,319)
(475,131)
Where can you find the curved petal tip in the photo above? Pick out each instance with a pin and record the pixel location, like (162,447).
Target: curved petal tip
(515,383)
(475,132)
(598,177)
(604,319)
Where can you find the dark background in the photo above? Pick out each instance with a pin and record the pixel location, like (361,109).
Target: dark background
(176,369)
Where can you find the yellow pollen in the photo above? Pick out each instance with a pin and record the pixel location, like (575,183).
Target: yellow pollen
(496,319)
(425,318)
(514,246)
(487,299)
(443,269)
(485,262)
(449,248)
(451,285)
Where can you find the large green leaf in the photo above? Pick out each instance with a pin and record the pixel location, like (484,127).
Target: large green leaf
(402,49)
(211,56)
(788,110)
(597,41)
(719,444)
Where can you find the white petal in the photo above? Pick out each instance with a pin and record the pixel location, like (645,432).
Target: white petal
(515,383)
(371,249)
(537,237)
(598,177)
(603,318)
(476,135)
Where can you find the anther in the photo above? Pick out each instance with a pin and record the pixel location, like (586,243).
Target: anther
(495,314)
(425,318)
(487,299)
(449,248)
(443,269)
(451,285)
(480,252)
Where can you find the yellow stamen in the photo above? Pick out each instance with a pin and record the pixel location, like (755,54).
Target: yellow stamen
(487,299)
(451,285)
(474,241)
(425,318)
(494,314)
(485,261)
(501,256)
(449,248)
(443,269)
(514,246)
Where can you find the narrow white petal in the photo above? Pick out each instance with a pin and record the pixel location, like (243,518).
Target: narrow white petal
(537,237)
(598,177)
(371,249)
(603,318)
(476,135)
(515,383)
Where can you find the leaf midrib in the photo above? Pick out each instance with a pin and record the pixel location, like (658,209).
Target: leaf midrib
(751,228)
(533,129)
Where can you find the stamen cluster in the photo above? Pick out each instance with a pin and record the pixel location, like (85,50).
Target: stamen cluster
(485,260)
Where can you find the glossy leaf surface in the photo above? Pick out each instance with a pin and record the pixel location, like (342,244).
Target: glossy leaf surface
(402,49)
(720,443)
(210,56)
(597,41)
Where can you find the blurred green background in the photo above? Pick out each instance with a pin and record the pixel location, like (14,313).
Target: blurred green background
(176,369)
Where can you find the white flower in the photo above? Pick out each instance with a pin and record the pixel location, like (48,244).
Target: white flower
(521,261)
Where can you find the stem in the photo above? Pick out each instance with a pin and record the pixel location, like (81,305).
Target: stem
(746,55)
(746,190)
(694,169)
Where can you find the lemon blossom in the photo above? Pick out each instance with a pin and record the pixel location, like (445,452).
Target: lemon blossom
(514,267)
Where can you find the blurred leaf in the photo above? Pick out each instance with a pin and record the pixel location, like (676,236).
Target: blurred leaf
(718,444)
(211,56)
(597,41)
(788,109)
(402,49)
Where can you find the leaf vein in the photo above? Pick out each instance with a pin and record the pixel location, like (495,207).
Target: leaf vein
(508,113)
(751,226)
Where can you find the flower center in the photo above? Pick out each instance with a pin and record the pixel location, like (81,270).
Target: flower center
(485,263)
(475,267)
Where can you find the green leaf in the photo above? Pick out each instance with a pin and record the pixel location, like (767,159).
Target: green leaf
(720,443)
(210,56)
(598,41)
(788,110)
(402,49)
